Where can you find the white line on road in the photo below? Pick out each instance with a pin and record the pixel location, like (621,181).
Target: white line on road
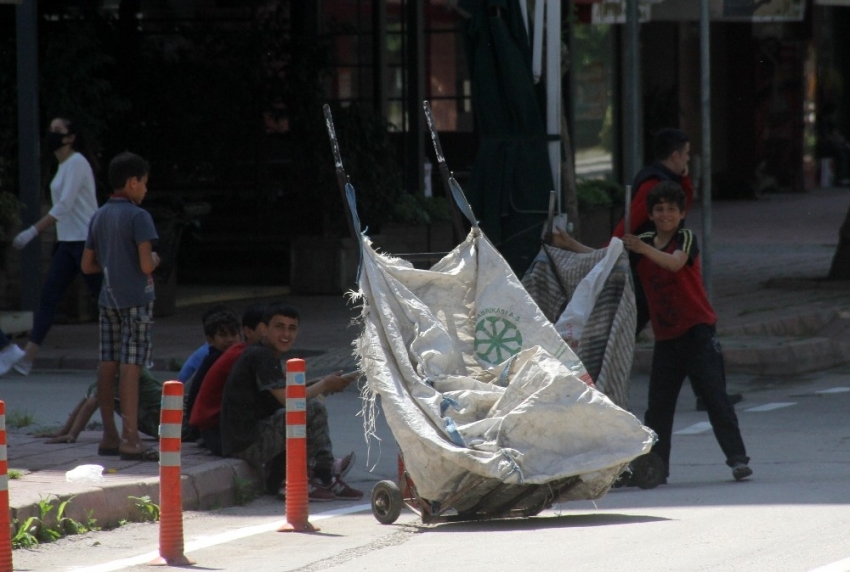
(769,407)
(700,427)
(206,542)
(834,390)
(840,566)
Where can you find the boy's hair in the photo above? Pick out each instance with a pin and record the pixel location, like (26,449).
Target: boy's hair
(221,322)
(253,315)
(666,192)
(124,167)
(215,308)
(667,141)
(280,309)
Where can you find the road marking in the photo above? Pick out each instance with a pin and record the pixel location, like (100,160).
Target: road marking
(834,390)
(700,427)
(840,566)
(769,407)
(207,541)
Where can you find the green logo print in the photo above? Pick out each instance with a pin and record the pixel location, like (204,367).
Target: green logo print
(496,339)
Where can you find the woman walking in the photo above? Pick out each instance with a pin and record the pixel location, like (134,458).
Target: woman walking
(74,197)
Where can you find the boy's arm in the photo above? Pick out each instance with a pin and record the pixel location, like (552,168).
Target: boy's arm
(89,263)
(668,261)
(332,383)
(564,241)
(148,259)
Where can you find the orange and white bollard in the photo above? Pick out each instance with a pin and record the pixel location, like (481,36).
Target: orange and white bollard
(170,491)
(5,523)
(297,494)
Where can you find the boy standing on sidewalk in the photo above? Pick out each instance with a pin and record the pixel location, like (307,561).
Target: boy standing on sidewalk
(683,322)
(119,246)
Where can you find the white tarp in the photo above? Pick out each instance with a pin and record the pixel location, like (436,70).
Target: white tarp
(474,379)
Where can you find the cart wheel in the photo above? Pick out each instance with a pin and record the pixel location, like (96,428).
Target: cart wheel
(648,471)
(386,502)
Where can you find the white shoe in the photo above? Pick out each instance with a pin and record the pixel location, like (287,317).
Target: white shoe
(23,366)
(9,356)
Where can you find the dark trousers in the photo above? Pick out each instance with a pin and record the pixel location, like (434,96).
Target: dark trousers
(695,354)
(64,267)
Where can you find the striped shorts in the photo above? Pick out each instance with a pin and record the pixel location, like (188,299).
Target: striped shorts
(125,334)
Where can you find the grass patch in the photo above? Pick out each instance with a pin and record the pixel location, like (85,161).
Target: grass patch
(147,508)
(18,419)
(46,527)
(244,491)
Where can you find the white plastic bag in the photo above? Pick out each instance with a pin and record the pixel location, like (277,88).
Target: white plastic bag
(85,474)
(570,324)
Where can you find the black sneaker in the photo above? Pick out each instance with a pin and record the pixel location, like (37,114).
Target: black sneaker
(741,471)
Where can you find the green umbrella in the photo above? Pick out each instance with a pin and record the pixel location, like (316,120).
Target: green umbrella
(511,178)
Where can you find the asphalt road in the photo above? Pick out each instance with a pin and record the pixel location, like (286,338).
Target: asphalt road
(792,515)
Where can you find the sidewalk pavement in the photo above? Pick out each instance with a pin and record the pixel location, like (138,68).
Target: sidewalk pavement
(776,317)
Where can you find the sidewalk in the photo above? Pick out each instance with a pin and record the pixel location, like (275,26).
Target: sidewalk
(775,317)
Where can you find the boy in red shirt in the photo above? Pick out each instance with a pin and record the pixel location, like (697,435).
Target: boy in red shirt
(683,322)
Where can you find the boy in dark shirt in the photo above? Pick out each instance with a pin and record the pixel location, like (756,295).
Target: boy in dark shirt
(683,322)
(221,329)
(253,412)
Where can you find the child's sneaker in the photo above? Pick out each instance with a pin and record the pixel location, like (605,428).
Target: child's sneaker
(317,491)
(342,466)
(23,367)
(342,491)
(9,356)
(741,471)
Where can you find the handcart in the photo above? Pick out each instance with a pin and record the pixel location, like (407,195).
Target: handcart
(488,404)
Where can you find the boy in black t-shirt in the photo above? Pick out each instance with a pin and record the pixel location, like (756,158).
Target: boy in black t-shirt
(253,412)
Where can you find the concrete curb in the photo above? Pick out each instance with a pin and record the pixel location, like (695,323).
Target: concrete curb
(210,485)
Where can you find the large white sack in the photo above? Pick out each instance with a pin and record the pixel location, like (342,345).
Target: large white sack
(475,380)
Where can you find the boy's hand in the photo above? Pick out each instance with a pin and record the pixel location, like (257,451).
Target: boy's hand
(336,382)
(633,243)
(561,239)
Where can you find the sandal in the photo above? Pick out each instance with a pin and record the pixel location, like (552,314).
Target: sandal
(143,455)
(108,451)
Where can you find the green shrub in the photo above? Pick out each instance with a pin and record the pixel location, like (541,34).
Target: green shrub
(598,193)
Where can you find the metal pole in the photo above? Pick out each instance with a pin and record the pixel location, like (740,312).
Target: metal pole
(415,62)
(632,111)
(705,163)
(26,25)
(553,90)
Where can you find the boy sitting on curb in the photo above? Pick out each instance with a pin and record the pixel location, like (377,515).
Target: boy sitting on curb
(253,413)
(150,403)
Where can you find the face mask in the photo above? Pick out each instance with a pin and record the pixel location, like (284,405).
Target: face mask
(54,140)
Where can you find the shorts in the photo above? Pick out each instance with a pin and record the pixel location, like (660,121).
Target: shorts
(125,334)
